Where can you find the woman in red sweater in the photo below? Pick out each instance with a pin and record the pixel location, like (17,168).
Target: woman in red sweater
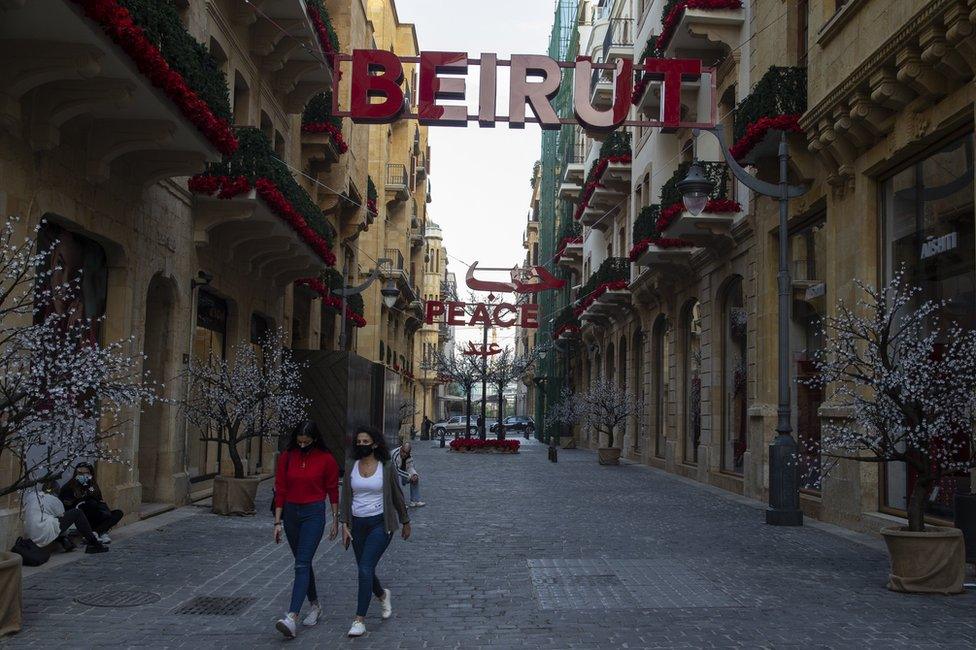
(307,474)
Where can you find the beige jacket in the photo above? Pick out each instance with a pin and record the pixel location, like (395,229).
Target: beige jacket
(394,507)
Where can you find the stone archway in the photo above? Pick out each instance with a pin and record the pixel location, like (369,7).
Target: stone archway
(156,454)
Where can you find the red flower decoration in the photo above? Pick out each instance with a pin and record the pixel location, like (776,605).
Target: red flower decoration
(616,285)
(756,131)
(117,23)
(593,181)
(335,133)
(479,445)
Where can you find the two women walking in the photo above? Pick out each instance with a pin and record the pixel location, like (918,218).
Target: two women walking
(371,510)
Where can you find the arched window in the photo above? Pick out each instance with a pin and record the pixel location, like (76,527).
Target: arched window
(637,385)
(691,333)
(734,441)
(661,380)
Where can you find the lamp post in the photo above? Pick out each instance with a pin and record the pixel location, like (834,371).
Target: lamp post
(784,478)
(389,292)
(483,433)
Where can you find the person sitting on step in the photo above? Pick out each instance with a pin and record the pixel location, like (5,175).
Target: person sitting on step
(47,521)
(82,492)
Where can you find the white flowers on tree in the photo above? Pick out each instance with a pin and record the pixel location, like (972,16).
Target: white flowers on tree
(63,396)
(909,381)
(461,369)
(503,369)
(256,396)
(605,408)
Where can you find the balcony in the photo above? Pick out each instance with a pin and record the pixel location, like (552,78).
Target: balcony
(569,256)
(618,42)
(566,325)
(605,296)
(417,237)
(665,257)
(713,227)
(63,76)
(701,32)
(322,138)
(607,183)
(776,102)
(396,182)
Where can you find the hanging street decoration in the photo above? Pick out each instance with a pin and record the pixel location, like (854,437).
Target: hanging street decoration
(535,81)
(522,280)
(482,350)
(504,314)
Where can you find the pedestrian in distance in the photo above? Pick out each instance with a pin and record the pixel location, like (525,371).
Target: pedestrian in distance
(425,428)
(306,476)
(82,492)
(46,520)
(402,458)
(372,509)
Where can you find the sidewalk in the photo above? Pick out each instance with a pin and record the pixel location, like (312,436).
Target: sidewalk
(512,552)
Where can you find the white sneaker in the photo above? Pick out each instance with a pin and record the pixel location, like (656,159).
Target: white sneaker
(357,629)
(387,605)
(287,626)
(312,617)
(419,504)
(104,538)
(412,504)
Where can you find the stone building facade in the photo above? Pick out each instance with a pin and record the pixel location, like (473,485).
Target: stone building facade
(121,167)
(878,102)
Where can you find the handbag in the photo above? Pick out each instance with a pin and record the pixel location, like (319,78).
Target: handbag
(33,554)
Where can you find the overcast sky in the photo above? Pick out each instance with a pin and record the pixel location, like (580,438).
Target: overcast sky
(480,177)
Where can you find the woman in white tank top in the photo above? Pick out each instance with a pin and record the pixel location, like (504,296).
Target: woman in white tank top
(370,507)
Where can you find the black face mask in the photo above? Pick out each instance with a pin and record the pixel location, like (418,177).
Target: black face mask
(362,451)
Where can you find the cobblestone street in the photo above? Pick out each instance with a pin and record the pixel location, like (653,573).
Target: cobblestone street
(619,557)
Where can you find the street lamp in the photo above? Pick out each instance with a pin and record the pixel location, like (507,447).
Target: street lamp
(784,477)
(389,291)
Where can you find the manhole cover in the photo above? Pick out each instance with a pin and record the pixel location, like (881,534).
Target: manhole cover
(214,606)
(118,598)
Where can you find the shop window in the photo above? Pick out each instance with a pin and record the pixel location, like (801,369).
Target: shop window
(928,217)
(734,379)
(691,331)
(808,259)
(209,342)
(662,383)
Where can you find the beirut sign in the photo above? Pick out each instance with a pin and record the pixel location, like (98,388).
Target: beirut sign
(535,81)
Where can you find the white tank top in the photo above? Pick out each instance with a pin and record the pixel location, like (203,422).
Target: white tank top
(367,493)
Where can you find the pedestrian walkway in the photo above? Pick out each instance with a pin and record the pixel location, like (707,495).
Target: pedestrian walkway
(511,552)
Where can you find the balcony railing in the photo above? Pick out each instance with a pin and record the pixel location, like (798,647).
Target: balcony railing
(396,176)
(612,270)
(620,33)
(396,257)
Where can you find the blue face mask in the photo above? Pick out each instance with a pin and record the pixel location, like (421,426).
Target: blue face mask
(83,478)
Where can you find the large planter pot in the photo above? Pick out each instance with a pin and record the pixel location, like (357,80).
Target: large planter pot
(608,455)
(10,588)
(234,496)
(931,562)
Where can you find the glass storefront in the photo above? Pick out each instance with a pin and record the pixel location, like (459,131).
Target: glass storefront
(929,232)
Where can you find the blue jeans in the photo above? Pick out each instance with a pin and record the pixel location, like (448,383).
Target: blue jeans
(304,526)
(414,489)
(369,541)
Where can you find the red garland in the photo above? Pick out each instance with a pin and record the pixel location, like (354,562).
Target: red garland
(477,444)
(117,23)
(335,133)
(714,206)
(564,329)
(593,181)
(564,242)
(329,300)
(757,130)
(616,285)
(371,207)
(272,196)
(668,26)
(661,242)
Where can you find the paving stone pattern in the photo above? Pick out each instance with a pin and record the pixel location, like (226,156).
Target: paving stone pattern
(511,552)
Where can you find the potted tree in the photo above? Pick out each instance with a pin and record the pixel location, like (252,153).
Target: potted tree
(256,396)
(64,396)
(606,407)
(907,379)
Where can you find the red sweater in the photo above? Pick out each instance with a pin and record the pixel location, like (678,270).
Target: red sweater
(306,477)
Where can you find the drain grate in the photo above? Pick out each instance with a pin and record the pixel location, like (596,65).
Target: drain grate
(214,606)
(117,598)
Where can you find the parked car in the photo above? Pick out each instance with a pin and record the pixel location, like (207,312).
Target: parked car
(520,423)
(453,425)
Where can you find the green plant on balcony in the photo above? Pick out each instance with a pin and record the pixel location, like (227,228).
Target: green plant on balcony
(324,28)
(645,225)
(617,144)
(776,102)
(319,111)
(569,228)
(162,25)
(255,160)
(565,319)
(355,304)
(613,269)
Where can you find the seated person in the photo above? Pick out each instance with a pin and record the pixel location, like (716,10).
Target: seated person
(46,520)
(82,492)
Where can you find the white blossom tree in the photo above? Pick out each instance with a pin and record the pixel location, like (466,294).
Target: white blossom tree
(463,370)
(62,395)
(406,413)
(503,369)
(566,412)
(908,379)
(605,407)
(253,397)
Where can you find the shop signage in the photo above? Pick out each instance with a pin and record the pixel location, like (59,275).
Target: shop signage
(482,350)
(471,314)
(534,81)
(938,245)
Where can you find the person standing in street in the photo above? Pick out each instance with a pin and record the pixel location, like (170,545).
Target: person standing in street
(425,428)
(306,476)
(402,459)
(371,509)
